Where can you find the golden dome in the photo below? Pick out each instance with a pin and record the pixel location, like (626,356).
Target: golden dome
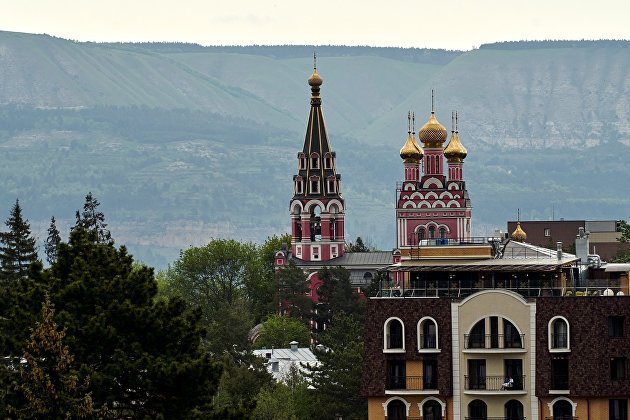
(315,80)
(519,234)
(455,151)
(411,152)
(433,134)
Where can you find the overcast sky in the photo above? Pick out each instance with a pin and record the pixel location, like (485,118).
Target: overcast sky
(450,24)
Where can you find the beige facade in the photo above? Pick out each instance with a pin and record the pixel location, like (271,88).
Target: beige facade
(493,341)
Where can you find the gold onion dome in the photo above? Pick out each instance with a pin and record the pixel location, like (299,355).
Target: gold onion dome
(433,134)
(411,152)
(519,234)
(455,151)
(315,80)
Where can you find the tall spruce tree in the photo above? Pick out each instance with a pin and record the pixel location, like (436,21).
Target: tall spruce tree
(17,250)
(93,220)
(52,242)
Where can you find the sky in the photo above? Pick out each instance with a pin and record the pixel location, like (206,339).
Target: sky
(448,24)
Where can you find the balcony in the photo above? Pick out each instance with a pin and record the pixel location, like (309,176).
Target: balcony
(495,418)
(493,383)
(411,385)
(509,343)
(559,383)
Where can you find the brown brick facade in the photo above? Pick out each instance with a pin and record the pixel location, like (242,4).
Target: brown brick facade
(410,311)
(590,344)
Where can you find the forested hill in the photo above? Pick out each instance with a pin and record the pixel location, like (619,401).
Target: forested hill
(182,142)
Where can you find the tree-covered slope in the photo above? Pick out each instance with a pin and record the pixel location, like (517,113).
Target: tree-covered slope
(181,142)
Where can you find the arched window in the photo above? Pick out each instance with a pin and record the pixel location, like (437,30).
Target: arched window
(314,161)
(431,232)
(421,234)
(513,410)
(394,336)
(477,336)
(477,410)
(301,161)
(511,336)
(427,334)
(316,224)
(562,410)
(396,410)
(559,334)
(432,410)
(442,233)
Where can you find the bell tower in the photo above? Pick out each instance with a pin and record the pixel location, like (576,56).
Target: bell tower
(317,207)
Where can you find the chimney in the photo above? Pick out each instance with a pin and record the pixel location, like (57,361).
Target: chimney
(294,345)
(559,249)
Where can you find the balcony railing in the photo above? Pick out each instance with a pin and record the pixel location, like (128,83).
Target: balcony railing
(493,383)
(412,383)
(428,341)
(496,418)
(494,341)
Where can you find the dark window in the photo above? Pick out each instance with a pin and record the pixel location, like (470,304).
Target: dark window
(421,235)
(395,335)
(617,368)
(514,371)
(429,378)
(396,375)
(494,332)
(477,410)
(476,374)
(477,338)
(513,410)
(431,410)
(562,410)
(512,338)
(560,335)
(618,409)
(615,326)
(432,232)
(429,335)
(442,233)
(560,374)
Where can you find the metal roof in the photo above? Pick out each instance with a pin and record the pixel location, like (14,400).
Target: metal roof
(352,260)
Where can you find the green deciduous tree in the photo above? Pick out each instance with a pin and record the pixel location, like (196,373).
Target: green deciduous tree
(221,279)
(287,400)
(52,242)
(278,331)
(17,250)
(93,220)
(624,228)
(51,387)
(337,380)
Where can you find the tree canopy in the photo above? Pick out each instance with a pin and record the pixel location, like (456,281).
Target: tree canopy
(17,249)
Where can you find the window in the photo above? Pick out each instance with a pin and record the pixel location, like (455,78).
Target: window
(558,334)
(432,232)
(442,233)
(396,410)
(328,161)
(421,234)
(299,186)
(302,161)
(477,336)
(432,410)
(427,334)
(562,410)
(618,409)
(615,326)
(617,368)
(547,232)
(476,374)
(331,185)
(560,374)
(314,161)
(477,410)
(316,256)
(396,378)
(394,339)
(429,374)
(511,337)
(514,371)
(513,410)
(314,185)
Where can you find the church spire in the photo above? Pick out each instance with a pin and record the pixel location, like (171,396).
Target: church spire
(317,207)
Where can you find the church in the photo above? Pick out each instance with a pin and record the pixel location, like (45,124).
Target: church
(464,327)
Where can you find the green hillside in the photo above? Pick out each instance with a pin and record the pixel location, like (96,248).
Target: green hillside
(182,143)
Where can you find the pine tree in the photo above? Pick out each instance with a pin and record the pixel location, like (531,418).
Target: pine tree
(93,220)
(52,242)
(50,386)
(17,251)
